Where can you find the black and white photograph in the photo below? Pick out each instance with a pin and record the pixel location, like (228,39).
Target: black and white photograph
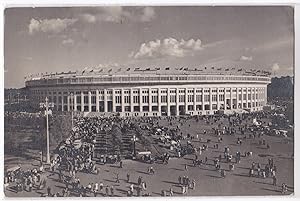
(159,101)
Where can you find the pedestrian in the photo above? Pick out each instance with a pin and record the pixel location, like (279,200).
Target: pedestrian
(274,181)
(112,190)
(106,191)
(171,192)
(121,164)
(128,177)
(185,167)
(117,179)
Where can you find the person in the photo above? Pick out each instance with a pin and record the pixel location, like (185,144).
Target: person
(49,191)
(117,179)
(128,177)
(193,184)
(183,189)
(106,191)
(283,188)
(112,190)
(274,181)
(179,179)
(171,192)
(121,164)
(185,167)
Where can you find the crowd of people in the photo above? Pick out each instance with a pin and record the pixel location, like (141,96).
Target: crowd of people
(76,153)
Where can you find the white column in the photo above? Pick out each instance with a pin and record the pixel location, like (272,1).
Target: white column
(218,99)
(150,99)
(194,101)
(105,100)
(265,96)
(82,101)
(168,102)
(159,102)
(122,100)
(210,99)
(203,101)
(177,101)
(113,101)
(90,101)
(62,101)
(186,100)
(131,100)
(97,100)
(68,102)
(75,101)
(141,99)
(231,99)
(242,98)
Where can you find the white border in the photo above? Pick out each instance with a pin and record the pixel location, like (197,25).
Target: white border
(45,3)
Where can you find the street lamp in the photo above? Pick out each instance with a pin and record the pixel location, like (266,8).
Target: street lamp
(46,105)
(134,139)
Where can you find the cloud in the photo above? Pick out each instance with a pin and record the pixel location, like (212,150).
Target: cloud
(246,58)
(88,18)
(117,14)
(275,67)
(148,14)
(52,26)
(68,41)
(168,47)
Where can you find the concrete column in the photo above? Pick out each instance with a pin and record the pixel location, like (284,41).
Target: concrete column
(62,101)
(97,100)
(231,99)
(141,99)
(159,102)
(177,101)
(242,98)
(186,100)
(168,102)
(194,101)
(90,101)
(105,100)
(82,101)
(122,100)
(131,100)
(150,100)
(113,101)
(210,98)
(203,101)
(75,101)
(218,99)
(68,102)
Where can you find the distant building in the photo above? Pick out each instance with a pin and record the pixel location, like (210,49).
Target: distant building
(152,92)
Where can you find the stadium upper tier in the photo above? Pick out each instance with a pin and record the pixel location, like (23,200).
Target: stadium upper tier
(155,74)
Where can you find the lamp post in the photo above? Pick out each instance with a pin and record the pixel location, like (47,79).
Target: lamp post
(46,105)
(134,139)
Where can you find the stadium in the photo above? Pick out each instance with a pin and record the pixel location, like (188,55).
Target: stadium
(152,91)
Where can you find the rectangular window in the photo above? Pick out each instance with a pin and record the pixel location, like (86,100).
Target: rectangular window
(190,98)
(181,98)
(127,99)
(206,98)
(198,98)
(221,97)
(145,99)
(93,99)
(172,98)
(86,99)
(154,99)
(118,99)
(214,97)
(136,99)
(164,99)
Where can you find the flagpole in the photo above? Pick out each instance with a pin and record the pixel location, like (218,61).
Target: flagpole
(47,130)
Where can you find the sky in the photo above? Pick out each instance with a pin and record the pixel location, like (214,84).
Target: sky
(40,40)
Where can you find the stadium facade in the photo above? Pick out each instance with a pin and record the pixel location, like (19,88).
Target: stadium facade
(152,92)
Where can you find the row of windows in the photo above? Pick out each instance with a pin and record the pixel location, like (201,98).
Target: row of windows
(141,78)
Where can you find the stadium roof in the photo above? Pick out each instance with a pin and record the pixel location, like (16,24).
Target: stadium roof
(122,70)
